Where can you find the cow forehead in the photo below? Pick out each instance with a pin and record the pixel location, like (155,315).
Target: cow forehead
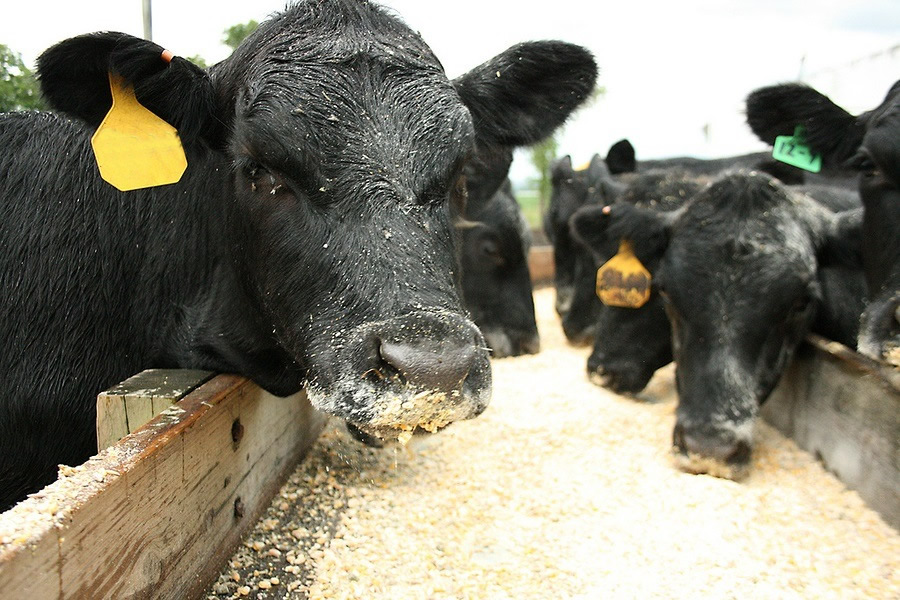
(336,84)
(401,124)
(758,261)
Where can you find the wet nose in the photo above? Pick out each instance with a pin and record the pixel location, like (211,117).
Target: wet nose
(720,444)
(430,365)
(563,300)
(577,334)
(616,378)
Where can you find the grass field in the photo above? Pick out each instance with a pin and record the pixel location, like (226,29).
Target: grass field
(530,203)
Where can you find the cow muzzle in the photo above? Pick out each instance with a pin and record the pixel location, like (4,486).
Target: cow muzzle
(721,450)
(412,374)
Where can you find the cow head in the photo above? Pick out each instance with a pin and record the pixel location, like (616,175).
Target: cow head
(868,144)
(495,240)
(496,283)
(736,268)
(345,146)
(631,343)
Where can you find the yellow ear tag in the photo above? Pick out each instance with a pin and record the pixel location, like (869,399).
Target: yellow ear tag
(623,280)
(134,148)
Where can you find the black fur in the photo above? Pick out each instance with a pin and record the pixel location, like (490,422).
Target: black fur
(494,246)
(621,158)
(778,110)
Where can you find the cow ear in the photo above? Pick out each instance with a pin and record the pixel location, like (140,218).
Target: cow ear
(522,95)
(839,240)
(603,188)
(829,129)
(74,78)
(621,158)
(601,228)
(562,169)
(597,169)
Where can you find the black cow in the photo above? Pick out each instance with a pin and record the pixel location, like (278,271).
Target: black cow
(632,343)
(496,283)
(310,241)
(868,143)
(736,268)
(572,189)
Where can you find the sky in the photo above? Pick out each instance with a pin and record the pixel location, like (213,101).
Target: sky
(676,73)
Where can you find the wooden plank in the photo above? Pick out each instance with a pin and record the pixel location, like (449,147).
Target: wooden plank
(845,409)
(112,420)
(540,264)
(127,406)
(155,515)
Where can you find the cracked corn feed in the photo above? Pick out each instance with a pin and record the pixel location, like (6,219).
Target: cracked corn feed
(560,490)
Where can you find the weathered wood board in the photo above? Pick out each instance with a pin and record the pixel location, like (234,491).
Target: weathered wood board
(845,409)
(158,513)
(129,405)
(540,264)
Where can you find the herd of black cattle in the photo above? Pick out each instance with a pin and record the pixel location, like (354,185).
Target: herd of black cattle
(345,224)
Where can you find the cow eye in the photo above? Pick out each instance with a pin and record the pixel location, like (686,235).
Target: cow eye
(802,304)
(459,196)
(251,169)
(863,163)
(261,180)
(663,294)
(490,250)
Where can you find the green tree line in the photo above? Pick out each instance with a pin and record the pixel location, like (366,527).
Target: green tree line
(18,87)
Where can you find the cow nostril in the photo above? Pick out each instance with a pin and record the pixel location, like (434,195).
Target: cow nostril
(362,436)
(429,365)
(678,439)
(740,454)
(382,370)
(378,374)
(719,445)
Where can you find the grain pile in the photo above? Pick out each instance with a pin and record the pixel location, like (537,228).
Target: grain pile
(560,490)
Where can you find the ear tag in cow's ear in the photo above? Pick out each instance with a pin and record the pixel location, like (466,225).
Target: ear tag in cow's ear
(623,280)
(135,148)
(792,149)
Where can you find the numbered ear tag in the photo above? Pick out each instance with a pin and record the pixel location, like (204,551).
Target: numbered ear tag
(792,149)
(623,280)
(134,148)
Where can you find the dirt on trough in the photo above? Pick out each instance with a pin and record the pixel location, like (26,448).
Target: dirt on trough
(560,489)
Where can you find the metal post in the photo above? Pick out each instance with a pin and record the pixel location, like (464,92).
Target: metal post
(148,22)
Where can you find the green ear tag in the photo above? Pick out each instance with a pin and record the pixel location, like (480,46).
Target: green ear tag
(792,149)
